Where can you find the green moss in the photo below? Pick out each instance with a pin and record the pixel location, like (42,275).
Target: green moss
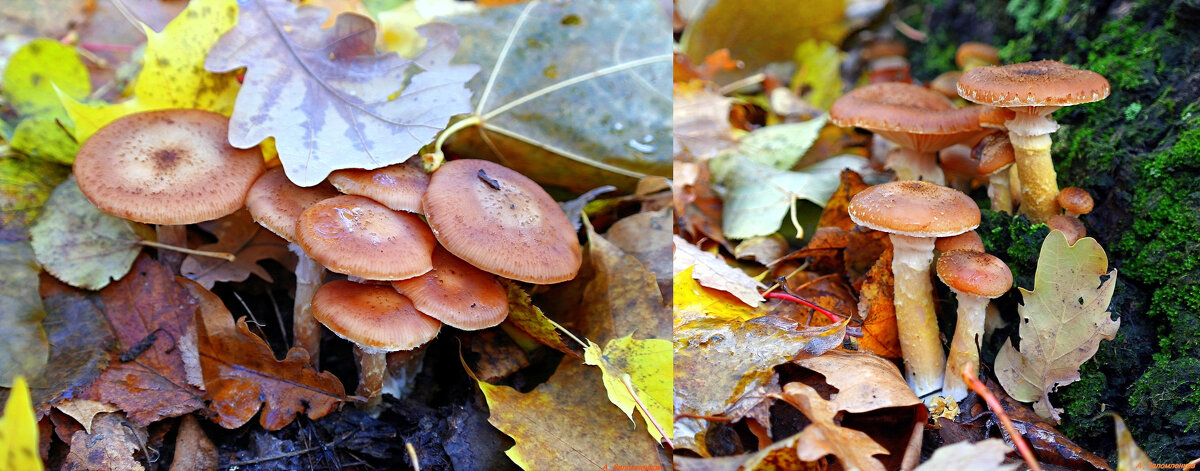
(1014,240)
(1034,14)
(1169,392)
(1083,399)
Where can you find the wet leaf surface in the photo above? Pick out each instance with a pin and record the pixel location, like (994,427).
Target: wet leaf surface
(637,375)
(79,244)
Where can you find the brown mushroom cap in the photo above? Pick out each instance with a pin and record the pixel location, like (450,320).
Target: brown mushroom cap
(398,187)
(992,117)
(357,236)
(885,48)
(1076,200)
(980,52)
(994,152)
(911,116)
(914,208)
(457,293)
(1041,83)
(946,84)
(276,203)
(513,229)
(1071,227)
(958,159)
(375,317)
(169,167)
(974,272)
(969,240)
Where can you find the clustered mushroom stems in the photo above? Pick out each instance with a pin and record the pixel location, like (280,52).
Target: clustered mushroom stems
(919,342)
(999,191)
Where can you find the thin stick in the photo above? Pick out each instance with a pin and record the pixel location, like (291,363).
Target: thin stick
(629,386)
(751,80)
(796,299)
(968,375)
(565,331)
(412,456)
(292,453)
(203,253)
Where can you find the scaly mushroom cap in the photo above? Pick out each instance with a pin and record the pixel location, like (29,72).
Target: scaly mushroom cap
(914,208)
(1076,200)
(501,222)
(276,203)
(1041,83)
(994,152)
(169,167)
(969,240)
(974,272)
(399,187)
(357,236)
(976,52)
(457,293)
(375,317)
(911,116)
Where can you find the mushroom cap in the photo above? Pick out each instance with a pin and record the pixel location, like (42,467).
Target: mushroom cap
(516,231)
(946,84)
(914,208)
(1076,200)
(976,273)
(357,236)
(457,293)
(375,317)
(169,167)
(958,159)
(911,116)
(884,48)
(1041,83)
(993,117)
(969,240)
(978,51)
(1071,227)
(398,187)
(994,152)
(276,203)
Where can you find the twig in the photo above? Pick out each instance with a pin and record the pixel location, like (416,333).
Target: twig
(796,299)
(412,456)
(292,453)
(203,253)
(734,86)
(968,375)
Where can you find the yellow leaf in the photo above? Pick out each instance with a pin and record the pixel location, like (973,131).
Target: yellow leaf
(19,431)
(173,74)
(693,301)
(818,65)
(1129,455)
(642,367)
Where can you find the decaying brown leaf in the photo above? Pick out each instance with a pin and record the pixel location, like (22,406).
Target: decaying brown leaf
(84,411)
(239,235)
(878,310)
(193,450)
(623,297)
(112,444)
(986,455)
(865,382)
(241,374)
(714,273)
(835,213)
(647,237)
(854,449)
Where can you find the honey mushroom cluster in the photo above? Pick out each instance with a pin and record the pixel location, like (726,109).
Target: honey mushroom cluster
(408,276)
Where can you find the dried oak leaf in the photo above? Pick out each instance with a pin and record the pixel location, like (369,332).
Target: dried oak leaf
(148,310)
(328,100)
(111,444)
(241,374)
(237,234)
(825,436)
(1065,317)
(877,308)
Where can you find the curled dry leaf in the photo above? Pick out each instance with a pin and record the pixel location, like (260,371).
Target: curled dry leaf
(714,273)
(878,310)
(328,100)
(241,374)
(112,444)
(239,235)
(854,449)
(623,297)
(986,455)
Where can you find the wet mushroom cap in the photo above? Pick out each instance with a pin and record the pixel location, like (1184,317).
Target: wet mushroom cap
(1041,83)
(375,317)
(994,152)
(969,240)
(399,187)
(357,236)
(979,52)
(911,116)
(914,208)
(946,84)
(457,293)
(974,272)
(170,167)
(1071,227)
(501,222)
(959,159)
(276,203)
(1076,200)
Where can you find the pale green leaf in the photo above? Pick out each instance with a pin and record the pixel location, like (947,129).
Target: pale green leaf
(79,244)
(24,350)
(641,367)
(759,196)
(42,137)
(780,146)
(25,183)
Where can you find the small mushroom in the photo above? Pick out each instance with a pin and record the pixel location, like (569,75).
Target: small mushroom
(378,320)
(972,55)
(1075,201)
(359,237)
(501,222)
(995,155)
(1071,227)
(915,213)
(886,62)
(947,84)
(276,204)
(959,165)
(969,240)
(167,167)
(975,278)
(399,187)
(457,293)
(1033,90)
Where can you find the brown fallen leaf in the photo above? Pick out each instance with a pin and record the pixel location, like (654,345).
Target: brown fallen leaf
(647,237)
(527,318)
(568,423)
(878,310)
(85,410)
(150,314)
(828,291)
(986,455)
(854,449)
(193,450)
(112,444)
(697,208)
(865,382)
(241,374)
(714,273)
(239,235)
(701,118)
(835,213)
(1130,455)
(81,345)
(623,297)
(499,356)
(762,249)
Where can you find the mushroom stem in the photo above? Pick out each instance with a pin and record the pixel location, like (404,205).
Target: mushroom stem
(403,366)
(964,350)
(912,165)
(372,367)
(999,191)
(174,236)
(924,360)
(305,328)
(1029,133)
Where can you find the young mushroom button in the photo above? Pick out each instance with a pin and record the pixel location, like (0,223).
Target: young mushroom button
(501,222)
(915,213)
(975,278)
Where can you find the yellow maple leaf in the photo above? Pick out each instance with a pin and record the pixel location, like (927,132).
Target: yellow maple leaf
(173,74)
(19,431)
(642,368)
